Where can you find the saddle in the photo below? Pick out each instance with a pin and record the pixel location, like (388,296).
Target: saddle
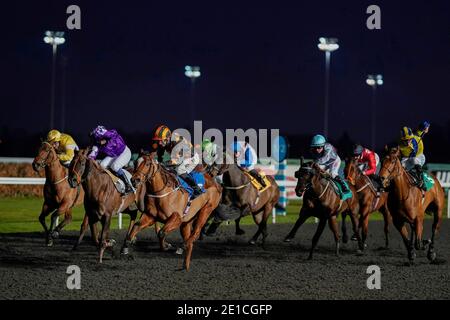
(118,183)
(199,179)
(427,180)
(256,183)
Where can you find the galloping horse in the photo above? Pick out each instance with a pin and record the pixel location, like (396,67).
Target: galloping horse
(102,200)
(408,204)
(322,202)
(59,198)
(241,194)
(369,201)
(166,202)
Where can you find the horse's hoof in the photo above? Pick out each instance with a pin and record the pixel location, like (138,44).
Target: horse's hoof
(431,256)
(287,239)
(125,251)
(55,234)
(359,252)
(354,238)
(345,239)
(166,247)
(252,242)
(133,241)
(240,232)
(179,251)
(49,243)
(310,257)
(412,257)
(111,243)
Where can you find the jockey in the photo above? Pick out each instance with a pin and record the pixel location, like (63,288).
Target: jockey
(325,155)
(181,154)
(64,145)
(411,148)
(117,155)
(246,158)
(367,160)
(209,150)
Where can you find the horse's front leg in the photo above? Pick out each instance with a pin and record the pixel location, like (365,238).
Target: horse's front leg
(145,221)
(46,210)
(334,228)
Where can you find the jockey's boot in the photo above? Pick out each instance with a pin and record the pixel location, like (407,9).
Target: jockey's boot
(344,186)
(128,186)
(255,174)
(191,182)
(419,175)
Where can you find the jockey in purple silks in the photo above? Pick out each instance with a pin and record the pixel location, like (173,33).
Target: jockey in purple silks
(110,145)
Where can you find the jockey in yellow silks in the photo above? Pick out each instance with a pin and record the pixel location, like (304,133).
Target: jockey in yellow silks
(411,148)
(64,145)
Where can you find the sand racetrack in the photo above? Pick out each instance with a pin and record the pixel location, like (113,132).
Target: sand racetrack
(223,267)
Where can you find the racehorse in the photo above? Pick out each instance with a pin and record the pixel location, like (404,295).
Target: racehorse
(102,200)
(59,197)
(241,194)
(369,200)
(167,202)
(322,202)
(407,204)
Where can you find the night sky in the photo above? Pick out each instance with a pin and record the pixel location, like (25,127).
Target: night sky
(260,64)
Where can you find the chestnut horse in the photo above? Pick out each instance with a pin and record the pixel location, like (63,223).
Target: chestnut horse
(241,195)
(368,200)
(408,204)
(59,197)
(101,200)
(166,202)
(321,201)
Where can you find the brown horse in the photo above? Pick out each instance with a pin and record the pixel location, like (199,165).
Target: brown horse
(239,193)
(369,200)
(167,202)
(59,197)
(322,202)
(408,204)
(102,200)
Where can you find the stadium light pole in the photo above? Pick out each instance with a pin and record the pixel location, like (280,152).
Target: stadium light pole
(328,45)
(53,38)
(374,81)
(192,72)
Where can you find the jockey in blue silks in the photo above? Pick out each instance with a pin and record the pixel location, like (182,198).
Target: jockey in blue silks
(246,158)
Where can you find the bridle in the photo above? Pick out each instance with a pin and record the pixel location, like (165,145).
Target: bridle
(390,176)
(146,177)
(43,162)
(76,173)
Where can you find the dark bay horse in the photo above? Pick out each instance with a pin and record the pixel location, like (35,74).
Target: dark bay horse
(238,192)
(322,202)
(166,202)
(101,200)
(369,201)
(407,204)
(59,197)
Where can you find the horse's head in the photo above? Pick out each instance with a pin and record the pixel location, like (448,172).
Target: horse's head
(147,167)
(351,170)
(45,156)
(77,169)
(304,177)
(390,167)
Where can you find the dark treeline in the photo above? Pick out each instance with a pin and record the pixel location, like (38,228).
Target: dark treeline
(20,143)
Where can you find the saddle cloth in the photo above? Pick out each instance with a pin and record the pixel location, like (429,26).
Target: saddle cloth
(338,189)
(428,181)
(198,178)
(118,183)
(256,183)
